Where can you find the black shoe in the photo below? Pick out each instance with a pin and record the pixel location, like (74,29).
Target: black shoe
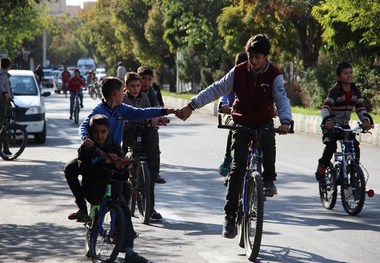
(81,105)
(160,180)
(71,117)
(229,227)
(134,258)
(155,215)
(269,188)
(7,152)
(80,216)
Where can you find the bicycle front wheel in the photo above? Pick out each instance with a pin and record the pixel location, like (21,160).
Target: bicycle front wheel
(254,218)
(107,234)
(14,140)
(353,189)
(144,193)
(93,93)
(76,111)
(328,189)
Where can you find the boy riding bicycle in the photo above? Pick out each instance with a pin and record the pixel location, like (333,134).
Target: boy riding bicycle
(91,165)
(341,100)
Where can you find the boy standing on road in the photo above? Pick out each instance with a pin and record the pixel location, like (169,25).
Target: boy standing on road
(134,97)
(341,100)
(258,86)
(6,96)
(92,163)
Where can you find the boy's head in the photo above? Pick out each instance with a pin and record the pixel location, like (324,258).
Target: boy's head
(110,85)
(257,49)
(241,57)
(5,63)
(99,128)
(133,83)
(341,66)
(146,74)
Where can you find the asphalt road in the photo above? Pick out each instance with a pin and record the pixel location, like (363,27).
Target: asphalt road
(35,201)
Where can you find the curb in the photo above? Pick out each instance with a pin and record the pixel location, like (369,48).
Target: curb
(302,123)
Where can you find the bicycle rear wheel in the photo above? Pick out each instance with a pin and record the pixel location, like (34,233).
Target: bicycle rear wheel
(76,110)
(144,193)
(132,202)
(253,220)
(353,189)
(93,93)
(17,138)
(107,234)
(328,190)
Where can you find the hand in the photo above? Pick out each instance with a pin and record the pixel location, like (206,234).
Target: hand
(367,125)
(88,143)
(283,128)
(329,125)
(225,108)
(184,113)
(155,121)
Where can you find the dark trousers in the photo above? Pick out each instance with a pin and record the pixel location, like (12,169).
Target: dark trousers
(330,139)
(71,174)
(239,147)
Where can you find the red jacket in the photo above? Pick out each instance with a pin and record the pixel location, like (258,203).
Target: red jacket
(76,83)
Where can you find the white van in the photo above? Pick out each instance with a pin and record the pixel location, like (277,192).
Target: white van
(87,63)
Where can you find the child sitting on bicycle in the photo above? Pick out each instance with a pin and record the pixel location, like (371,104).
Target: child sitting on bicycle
(93,156)
(341,100)
(133,96)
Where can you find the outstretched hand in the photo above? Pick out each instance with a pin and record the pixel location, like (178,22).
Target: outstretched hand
(184,113)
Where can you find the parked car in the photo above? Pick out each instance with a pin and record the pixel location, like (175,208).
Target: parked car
(27,94)
(58,80)
(49,79)
(100,74)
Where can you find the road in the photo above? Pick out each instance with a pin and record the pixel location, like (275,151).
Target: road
(35,201)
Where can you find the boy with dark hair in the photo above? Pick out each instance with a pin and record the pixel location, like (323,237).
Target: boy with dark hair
(341,100)
(258,86)
(133,96)
(6,96)
(91,165)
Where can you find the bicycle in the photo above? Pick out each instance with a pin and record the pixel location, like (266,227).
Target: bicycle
(347,172)
(250,216)
(94,91)
(76,106)
(139,179)
(106,228)
(14,134)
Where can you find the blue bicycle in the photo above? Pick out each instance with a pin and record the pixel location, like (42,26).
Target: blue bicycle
(250,217)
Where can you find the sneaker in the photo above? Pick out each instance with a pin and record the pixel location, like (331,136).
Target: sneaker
(71,117)
(155,215)
(134,258)
(269,188)
(320,173)
(80,216)
(224,168)
(160,180)
(229,227)
(81,105)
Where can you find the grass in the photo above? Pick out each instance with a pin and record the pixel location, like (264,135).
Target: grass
(295,109)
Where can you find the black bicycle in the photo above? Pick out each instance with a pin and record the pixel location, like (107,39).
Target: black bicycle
(76,106)
(106,227)
(250,217)
(347,172)
(13,136)
(139,177)
(94,90)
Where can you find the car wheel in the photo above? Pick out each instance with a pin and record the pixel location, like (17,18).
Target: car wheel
(41,137)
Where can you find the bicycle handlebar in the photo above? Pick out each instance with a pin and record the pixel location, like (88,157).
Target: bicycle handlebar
(340,128)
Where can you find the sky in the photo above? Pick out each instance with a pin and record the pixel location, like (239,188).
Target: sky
(77,2)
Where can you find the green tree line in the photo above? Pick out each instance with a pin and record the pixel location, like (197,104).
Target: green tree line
(309,37)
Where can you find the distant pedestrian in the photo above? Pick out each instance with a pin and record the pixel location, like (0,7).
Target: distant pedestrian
(6,96)
(121,71)
(39,74)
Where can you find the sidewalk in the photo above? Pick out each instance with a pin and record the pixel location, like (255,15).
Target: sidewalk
(302,123)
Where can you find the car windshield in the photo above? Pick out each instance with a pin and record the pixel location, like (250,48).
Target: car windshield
(48,74)
(23,85)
